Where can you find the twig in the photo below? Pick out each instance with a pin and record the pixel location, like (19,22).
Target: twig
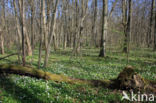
(8,56)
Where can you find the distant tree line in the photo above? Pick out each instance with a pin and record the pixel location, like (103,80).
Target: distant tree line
(59,24)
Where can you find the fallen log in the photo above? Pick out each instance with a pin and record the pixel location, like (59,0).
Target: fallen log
(32,72)
(127,79)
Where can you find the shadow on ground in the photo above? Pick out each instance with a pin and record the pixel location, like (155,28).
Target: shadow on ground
(17,92)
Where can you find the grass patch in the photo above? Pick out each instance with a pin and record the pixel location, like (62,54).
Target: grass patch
(20,89)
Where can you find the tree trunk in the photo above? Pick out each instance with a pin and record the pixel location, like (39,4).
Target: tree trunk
(104,29)
(18,31)
(17,23)
(149,36)
(124,24)
(128,29)
(155,30)
(127,24)
(32,24)
(4,30)
(22,30)
(28,49)
(45,31)
(41,31)
(1,43)
(28,44)
(53,25)
(75,31)
(94,35)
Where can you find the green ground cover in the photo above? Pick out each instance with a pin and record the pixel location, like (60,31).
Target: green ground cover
(21,89)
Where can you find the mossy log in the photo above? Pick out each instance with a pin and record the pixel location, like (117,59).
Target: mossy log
(127,79)
(32,72)
(37,73)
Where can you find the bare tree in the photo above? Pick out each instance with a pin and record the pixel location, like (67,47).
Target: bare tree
(79,25)
(155,29)
(19,20)
(3,28)
(128,29)
(52,28)
(94,23)
(124,23)
(32,22)
(40,45)
(104,29)
(17,23)
(1,43)
(22,11)
(75,22)
(45,31)
(149,35)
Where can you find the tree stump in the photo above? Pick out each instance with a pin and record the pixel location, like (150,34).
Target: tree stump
(129,79)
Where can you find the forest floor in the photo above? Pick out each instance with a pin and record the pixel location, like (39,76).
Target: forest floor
(22,89)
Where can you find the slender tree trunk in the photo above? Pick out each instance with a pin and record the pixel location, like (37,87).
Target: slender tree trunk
(128,29)
(32,24)
(81,24)
(149,37)
(75,32)
(53,25)
(49,3)
(1,43)
(4,28)
(18,31)
(124,22)
(104,29)
(155,30)
(45,31)
(22,30)
(28,44)
(94,36)
(40,45)
(113,6)
(17,23)
(54,41)
(28,49)
(64,36)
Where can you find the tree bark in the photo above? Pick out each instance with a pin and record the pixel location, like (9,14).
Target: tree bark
(28,49)
(104,29)
(41,31)
(124,24)
(75,31)
(128,30)
(155,30)
(1,44)
(17,23)
(45,31)
(94,35)
(32,23)
(149,35)
(21,5)
(53,25)
(4,28)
